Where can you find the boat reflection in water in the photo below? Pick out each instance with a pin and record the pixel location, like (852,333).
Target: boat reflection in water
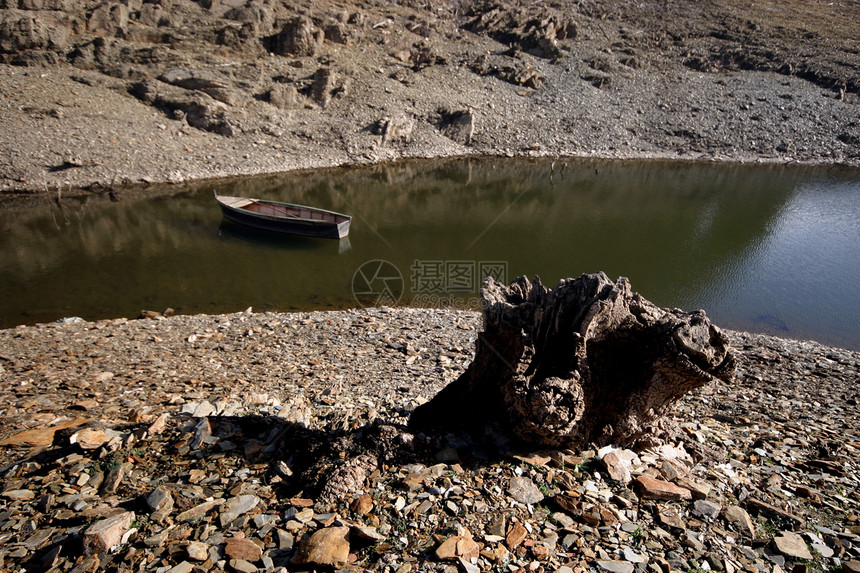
(229,230)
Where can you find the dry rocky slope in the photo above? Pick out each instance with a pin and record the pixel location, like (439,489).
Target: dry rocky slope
(277,442)
(126,92)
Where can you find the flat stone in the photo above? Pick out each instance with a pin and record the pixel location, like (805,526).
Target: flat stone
(104,534)
(114,478)
(236,506)
(363,505)
(39,538)
(325,547)
(160,499)
(197,551)
(634,557)
(89,438)
(497,526)
(242,548)
(615,566)
(367,533)
(184,567)
(516,535)
(704,508)
(671,517)
(792,545)
(617,467)
(458,546)
(562,519)
(524,490)
(203,409)
(242,566)
(740,518)
(852,566)
(198,510)
(758,506)
(19,494)
(535,458)
(41,436)
(158,425)
(652,488)
(699,490)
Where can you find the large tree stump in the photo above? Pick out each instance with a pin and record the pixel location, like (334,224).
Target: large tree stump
(587,362)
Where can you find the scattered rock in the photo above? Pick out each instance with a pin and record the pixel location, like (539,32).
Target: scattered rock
(236,506)
(244,549)
(740,518)
(458,547)
(197,551)
(524,490)
(616,566)
(652,488)
(792,545)
(41,436)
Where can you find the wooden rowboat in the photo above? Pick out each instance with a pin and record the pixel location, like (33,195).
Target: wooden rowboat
(284,217)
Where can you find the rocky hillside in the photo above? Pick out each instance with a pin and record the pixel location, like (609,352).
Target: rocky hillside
(102,93)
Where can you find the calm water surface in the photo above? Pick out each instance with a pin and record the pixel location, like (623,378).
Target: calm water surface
(764,249)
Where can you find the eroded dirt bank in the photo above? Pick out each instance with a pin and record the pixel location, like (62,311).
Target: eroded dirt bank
(132,92)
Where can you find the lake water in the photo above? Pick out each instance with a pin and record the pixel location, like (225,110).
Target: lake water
(764,249)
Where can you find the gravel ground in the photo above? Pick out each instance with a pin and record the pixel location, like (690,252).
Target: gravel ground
(156,444)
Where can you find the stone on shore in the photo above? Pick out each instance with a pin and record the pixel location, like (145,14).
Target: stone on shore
(652,488)
(524,490)
(242,548)
(792,545)
(106,533)
(327,547)
(739,518)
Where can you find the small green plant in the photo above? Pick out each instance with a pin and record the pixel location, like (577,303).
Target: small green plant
(638,537)
(585,466)
(545,488)
(767,529)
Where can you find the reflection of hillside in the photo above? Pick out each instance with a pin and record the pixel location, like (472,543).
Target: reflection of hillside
(39,239)
(664,225)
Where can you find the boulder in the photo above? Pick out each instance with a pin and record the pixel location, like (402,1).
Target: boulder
(108,19)
(284,96)
(458,126)
(21,31)
(298,37)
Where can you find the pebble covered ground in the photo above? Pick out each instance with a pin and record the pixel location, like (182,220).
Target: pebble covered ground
(189,443)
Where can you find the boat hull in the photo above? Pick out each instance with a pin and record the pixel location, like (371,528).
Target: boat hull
(330,225)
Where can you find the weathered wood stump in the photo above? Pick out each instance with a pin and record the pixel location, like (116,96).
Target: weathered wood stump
(587,362)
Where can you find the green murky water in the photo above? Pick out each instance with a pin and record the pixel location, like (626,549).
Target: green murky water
(765,249)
